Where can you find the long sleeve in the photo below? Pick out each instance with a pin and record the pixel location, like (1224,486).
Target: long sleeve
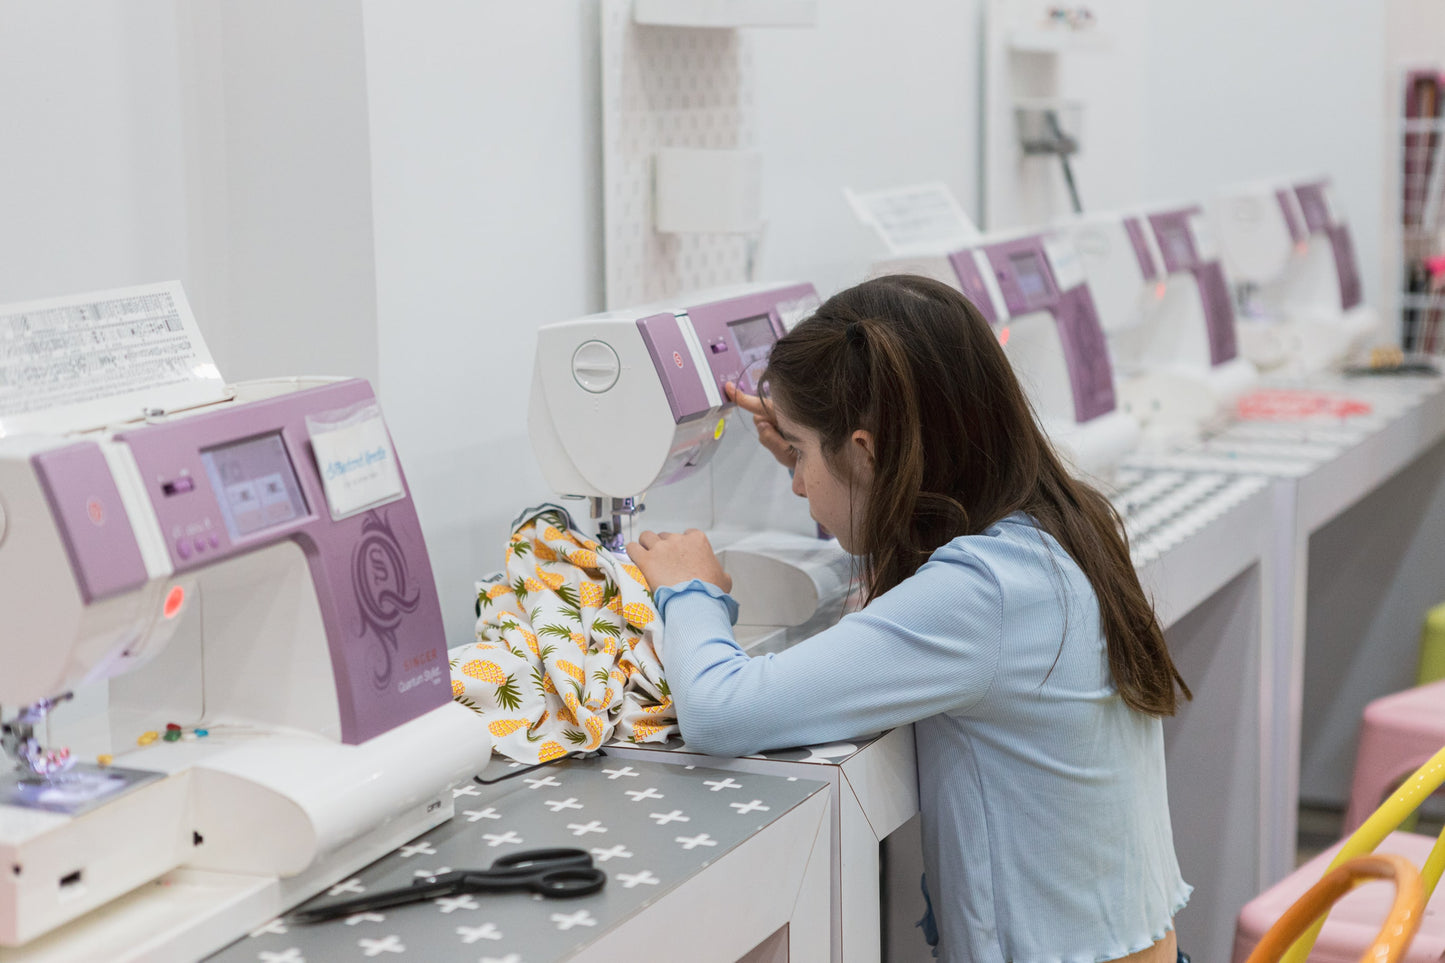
(929,645)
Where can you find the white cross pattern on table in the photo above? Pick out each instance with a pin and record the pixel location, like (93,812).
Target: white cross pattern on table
(474,814)
(675,816)
(497,839)
(276,926)
(582,829)
(756,806)
(487,931)
(640,794)
(544,781)
(715,784)
(565,921)
(692,842)
(624,771)
(450,904)
(467,790)
(557,805)
(606,854)
(629,880)
(432,872)
(289,955)
(392,944)
(423,847)
(352,885)
(509,958)
(355,918)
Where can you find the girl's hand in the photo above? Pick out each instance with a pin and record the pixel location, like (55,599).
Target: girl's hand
(667,558)
(763,421)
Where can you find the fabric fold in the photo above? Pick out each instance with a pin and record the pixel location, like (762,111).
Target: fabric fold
(566,652)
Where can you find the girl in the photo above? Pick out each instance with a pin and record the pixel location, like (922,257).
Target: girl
(1003,617)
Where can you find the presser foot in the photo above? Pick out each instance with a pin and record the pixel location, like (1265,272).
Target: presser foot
(17,738)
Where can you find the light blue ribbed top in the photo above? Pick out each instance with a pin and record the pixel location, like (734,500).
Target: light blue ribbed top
(1044,808)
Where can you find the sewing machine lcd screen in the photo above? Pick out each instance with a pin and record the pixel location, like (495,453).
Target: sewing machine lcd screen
(1033,283)
(755,338)
(1175,240)
(255,484)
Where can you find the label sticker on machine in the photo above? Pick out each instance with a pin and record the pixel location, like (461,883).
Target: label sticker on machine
(1068,266)
(355,459)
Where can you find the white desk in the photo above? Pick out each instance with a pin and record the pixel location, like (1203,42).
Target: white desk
(1321,471)
(873,791)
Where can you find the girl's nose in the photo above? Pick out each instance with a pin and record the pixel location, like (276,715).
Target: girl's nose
(798,488)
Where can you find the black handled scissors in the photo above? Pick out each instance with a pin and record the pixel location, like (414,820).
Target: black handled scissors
(555,873)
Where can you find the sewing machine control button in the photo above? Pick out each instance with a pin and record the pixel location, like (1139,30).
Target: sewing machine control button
(183,548)
(214,540)
(178,486)
(719,347)
(199,544)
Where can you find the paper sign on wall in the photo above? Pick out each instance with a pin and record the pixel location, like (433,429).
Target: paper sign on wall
(355,459)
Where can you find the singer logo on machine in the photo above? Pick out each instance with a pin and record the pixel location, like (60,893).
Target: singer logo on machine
(96,511)
(677,358)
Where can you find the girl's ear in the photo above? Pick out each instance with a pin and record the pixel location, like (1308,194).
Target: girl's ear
(862,447)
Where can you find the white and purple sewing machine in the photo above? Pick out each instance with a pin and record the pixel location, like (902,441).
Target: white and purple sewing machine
(1033,290)
(632,400)
(1289,252)
(1168,314)
(220,569)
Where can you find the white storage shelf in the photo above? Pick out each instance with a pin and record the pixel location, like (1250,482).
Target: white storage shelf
(1056,40)
(725,13)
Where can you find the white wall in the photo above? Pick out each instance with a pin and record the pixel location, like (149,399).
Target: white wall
(279,185)
(485,155)
(871,97)
(91,183)
(1237,90)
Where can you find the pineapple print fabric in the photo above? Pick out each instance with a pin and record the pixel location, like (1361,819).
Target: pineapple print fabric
(565,656)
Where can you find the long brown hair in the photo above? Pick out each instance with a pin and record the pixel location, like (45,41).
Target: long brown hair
(956,448)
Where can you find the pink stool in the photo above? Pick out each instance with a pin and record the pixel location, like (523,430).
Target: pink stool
(1355,921)
(1398,734)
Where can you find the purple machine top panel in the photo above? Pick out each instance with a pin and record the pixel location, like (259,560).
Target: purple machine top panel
(93,524)
(1291,221)
(1346,266)
(1135,229)
(965,266)
(1027,282)
(1176,244)
(1313,206)
(737,335)
(1318,220)
(680,379)
(371,571)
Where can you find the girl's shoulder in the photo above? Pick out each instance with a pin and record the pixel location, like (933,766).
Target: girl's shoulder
(1016,553)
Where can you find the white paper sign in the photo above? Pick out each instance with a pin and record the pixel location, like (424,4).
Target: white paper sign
(1068,266)
(355,459)
(1205,247)
(917,219)
(78,362)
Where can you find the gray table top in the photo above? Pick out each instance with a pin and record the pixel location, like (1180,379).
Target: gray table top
(649,826)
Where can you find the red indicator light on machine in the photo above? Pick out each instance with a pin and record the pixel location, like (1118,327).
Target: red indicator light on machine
(1003,336)
(1159,290)
(175,598)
